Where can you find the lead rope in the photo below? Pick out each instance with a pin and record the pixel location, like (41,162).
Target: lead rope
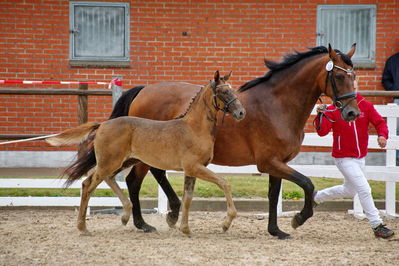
(321,114)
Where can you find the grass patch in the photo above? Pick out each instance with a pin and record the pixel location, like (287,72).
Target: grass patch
(243,186)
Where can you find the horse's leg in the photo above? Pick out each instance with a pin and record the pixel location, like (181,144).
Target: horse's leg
(189,183)
(306,184)
(274,191)
(133,181)
(204,173)
(88,186)
(127,204)
(174,201)
(280,170)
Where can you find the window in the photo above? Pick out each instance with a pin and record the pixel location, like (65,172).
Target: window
(343,25)
(99,33)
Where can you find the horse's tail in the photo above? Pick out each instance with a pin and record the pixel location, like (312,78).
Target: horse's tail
(86,156)
(122,106)
(86,160)
(74,135)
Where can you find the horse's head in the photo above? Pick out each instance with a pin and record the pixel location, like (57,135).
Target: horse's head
(225,98)
(339,82)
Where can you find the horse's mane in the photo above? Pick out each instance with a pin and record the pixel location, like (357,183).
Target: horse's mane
(289,60)
(191,103)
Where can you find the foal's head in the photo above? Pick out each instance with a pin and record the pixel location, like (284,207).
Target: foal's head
(339,82)
(225,98)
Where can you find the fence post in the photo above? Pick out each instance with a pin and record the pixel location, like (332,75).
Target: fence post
(82,105)
(390,188)
(116,94)
(116,91)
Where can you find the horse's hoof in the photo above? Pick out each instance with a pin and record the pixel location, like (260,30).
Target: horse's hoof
(280,234)
(125,219)
(226,226)
(82,226)
(295,222)
(284,237)
(148,228)
(171,219)
(185,230)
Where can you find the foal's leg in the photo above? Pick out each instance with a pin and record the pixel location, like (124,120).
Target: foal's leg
(189,183)
(127,204)
(133,181)
(88,186)
(174,201)
(274,191)
(204,173)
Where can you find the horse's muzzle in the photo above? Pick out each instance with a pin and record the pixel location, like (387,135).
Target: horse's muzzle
(239,114)
(350,114)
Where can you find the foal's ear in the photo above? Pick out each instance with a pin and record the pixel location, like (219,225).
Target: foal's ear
(331,52)
(226,77)
(217,76)
(351,51)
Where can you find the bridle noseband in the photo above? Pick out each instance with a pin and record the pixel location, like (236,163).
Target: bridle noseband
(330,76)
(225,109)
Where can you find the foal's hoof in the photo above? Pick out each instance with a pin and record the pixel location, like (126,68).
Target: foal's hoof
(185,230)
(296,221)
(171,219)
(225,227)
(125,219)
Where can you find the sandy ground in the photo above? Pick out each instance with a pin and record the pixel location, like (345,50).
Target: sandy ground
(50,237)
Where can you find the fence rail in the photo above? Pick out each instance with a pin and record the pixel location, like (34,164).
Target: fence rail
(82,92)
(388,173)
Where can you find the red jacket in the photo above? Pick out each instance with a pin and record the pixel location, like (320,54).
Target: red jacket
(351,138)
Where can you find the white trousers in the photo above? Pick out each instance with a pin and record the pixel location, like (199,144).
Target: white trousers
(355,182)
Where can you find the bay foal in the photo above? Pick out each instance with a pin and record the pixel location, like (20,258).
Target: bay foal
(183,144)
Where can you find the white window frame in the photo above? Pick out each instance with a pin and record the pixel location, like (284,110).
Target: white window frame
(122,60)
(338,27)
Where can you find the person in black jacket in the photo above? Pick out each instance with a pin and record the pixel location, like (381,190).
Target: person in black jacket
(390,82)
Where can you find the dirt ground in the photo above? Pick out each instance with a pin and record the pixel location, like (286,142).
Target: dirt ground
(50,237)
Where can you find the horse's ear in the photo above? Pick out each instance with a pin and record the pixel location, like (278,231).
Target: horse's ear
(217,76)
(351,51)
(226,77)
(331,52)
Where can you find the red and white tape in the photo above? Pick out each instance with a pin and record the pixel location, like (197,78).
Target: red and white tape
(115,81)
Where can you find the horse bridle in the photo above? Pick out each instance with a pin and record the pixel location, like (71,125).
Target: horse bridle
(225,109)
(330,76)
(337,98)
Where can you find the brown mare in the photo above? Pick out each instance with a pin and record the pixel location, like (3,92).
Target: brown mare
(183,144)
(278,106)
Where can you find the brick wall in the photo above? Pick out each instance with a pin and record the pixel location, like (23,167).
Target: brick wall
(232,35)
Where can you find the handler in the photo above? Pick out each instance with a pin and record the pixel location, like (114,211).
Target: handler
(349,150)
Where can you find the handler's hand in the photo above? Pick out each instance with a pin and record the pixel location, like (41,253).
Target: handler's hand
(382,141)
(320,108)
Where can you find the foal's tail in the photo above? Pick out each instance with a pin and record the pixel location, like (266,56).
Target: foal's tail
(74,135)
(86,157)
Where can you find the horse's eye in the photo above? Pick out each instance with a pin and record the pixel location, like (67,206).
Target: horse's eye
(339,77)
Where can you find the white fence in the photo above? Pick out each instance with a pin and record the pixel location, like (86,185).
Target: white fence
(389,174)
